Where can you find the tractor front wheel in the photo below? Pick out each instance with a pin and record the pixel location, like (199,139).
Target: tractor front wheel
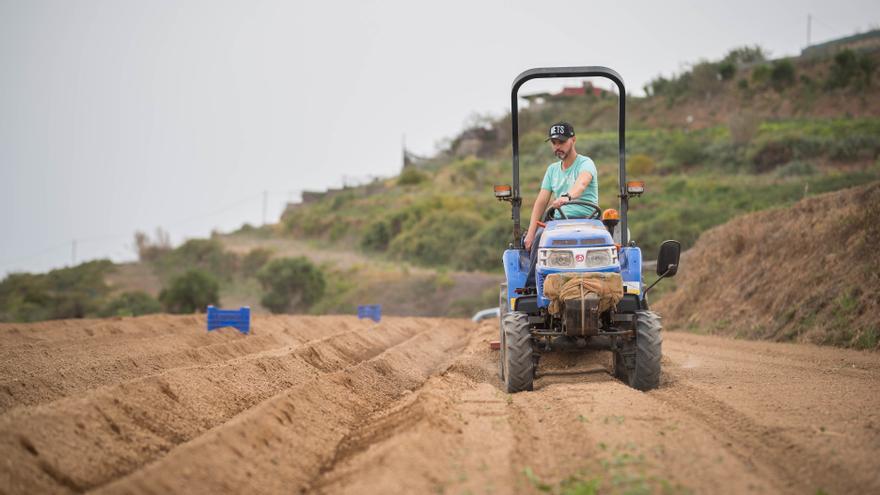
(643,373)
(518,365)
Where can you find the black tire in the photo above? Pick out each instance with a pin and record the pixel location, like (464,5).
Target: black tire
(503,309)
(645,375)
(516,360)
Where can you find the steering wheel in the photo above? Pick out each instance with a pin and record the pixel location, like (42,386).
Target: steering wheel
(597,211)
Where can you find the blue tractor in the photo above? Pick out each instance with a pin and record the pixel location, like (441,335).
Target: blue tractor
(585,289)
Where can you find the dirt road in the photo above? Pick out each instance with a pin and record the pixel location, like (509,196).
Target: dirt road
(336,405)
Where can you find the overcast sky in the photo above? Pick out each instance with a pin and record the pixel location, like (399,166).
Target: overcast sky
(119,115)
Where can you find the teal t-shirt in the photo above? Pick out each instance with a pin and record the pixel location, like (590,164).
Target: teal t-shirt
(559,181)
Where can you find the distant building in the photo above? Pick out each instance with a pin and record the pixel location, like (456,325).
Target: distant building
(869,41)
(586,89)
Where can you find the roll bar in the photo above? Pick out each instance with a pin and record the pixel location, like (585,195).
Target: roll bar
(555,72)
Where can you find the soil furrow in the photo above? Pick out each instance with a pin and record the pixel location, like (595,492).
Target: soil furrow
(336,405)
(138,421)
(302,425)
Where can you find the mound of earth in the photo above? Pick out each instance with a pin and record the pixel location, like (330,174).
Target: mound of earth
(806,273)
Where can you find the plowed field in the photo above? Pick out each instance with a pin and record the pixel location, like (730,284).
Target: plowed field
(336,405)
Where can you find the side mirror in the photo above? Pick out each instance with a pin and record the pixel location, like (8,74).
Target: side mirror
(667,260)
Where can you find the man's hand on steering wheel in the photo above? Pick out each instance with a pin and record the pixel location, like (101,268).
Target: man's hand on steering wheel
(549,213)
(558,202)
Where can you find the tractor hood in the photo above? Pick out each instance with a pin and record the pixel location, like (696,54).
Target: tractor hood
(575,233)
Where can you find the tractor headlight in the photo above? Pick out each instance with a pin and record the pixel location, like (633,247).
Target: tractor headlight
(556,258)
(598,257)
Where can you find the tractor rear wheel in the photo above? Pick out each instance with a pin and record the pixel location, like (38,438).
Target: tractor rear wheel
(644,375)
(518,365)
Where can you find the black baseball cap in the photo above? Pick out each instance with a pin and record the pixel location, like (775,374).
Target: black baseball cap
(561,131)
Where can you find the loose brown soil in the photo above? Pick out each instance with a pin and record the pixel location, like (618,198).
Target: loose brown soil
(336,405)
(807,273)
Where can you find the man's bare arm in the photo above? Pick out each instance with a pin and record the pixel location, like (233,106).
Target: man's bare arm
(537,210)
(578,188)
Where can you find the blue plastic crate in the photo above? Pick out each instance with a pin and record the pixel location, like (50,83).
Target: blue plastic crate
(372,311)
(239,319)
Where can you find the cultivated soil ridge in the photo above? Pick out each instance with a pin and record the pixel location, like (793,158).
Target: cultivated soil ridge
(807,273)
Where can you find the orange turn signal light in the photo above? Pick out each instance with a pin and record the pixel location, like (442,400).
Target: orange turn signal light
(504,191)
(635,187)
(610,214)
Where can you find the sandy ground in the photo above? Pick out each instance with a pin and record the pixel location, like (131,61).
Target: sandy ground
(336,405)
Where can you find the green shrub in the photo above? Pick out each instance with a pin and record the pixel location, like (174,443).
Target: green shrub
(745,55)
(686,151)
(205,254)
(855,147)
(410,177)
(291,284)
(192,291)
(771,152)
(782,74)
(850,69)
(469,170)
(436,238)
(74,292)
(760,75)
(25,297)
(133,303)
(377,236)
(483,251)
(726,70)
(254,260)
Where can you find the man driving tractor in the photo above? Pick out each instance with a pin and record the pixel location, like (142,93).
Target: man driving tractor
(573,177)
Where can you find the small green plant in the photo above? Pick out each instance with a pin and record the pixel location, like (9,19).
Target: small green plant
(867,338)
(192,291)
(536,481)
(291,284)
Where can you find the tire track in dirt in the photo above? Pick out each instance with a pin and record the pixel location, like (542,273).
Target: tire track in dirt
(79,443)
(789,414)
(581,428)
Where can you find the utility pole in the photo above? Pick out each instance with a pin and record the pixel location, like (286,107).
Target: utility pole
(73,253)
(265,202)
(809,25)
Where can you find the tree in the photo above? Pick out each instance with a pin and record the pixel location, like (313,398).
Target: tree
(133,303)
(291,284)
(190,292)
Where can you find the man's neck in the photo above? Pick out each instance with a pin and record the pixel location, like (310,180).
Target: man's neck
(569,160)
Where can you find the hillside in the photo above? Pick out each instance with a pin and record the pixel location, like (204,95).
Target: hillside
(724,138)
(719,140)
(808,273)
